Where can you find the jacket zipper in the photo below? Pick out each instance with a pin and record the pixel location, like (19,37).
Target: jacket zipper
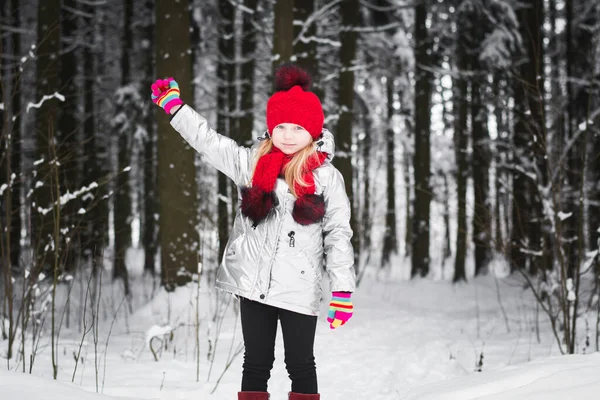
(272,261)
(279,228)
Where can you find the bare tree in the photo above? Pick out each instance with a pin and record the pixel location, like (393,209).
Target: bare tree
(461,144)
(390,239)
(68,135)
(305,43)
(246,120)
(95,233)
(149,198)
(15,140)
(350,13)
(480,160)
(422,156)
(122,198)
(47,89)
(283,32)
(225,106)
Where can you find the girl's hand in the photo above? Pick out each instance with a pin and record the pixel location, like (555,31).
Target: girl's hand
(340,309)
(165,93)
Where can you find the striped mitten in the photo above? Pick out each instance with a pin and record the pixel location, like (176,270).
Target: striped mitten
(165,93)
(340,309)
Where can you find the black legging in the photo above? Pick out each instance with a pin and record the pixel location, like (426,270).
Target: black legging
(259,327)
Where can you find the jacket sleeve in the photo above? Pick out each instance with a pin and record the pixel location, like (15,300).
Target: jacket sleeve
(219,151)
(339,254)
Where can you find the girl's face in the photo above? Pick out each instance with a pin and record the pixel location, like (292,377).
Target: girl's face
(290,138)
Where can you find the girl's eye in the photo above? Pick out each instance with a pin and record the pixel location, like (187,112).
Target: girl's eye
(298,128)
(279,127)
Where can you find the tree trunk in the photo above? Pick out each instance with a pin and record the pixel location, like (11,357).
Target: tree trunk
(499,178)
(447,245)
(343,161)
(246,121)
(581,45)
(94,168)
(150,206)
(422,156)
(123,210)
(225,75)
(390,241)
(365,218)
(461,143)
(583,101)
(47,83)
(529,142)
(6,211)
(480,166)
(232,106)
(283,32)
(408,232)
(306,51)
(68,136)
(176,171)
(15,140)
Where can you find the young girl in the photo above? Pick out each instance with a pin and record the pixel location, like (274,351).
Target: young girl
(294,220)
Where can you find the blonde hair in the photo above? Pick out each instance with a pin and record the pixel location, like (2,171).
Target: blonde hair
(294,170)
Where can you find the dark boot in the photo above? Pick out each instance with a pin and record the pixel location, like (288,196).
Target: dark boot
(300,396)
(253,396)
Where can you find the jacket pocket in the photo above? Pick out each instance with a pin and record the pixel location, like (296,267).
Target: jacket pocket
(308,268)
(234,248)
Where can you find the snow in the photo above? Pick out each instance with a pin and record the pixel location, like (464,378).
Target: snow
(565,377)
(563,215)
(157,331)
(25,386)
(415,339)
(44,99)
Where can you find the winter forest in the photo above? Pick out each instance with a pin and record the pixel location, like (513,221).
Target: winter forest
(467,133)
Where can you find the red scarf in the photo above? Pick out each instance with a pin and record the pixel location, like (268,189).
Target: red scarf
(259,199)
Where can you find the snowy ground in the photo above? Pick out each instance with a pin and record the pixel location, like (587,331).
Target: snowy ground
(412,340)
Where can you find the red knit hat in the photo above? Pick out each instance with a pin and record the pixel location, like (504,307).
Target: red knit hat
(292,103)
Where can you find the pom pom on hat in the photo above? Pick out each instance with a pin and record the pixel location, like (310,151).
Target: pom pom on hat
(293,103)
(289,75)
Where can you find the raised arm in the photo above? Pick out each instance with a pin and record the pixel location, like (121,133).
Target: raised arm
(219,151)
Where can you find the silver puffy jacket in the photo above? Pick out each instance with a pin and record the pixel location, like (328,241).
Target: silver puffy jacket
(281,262)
